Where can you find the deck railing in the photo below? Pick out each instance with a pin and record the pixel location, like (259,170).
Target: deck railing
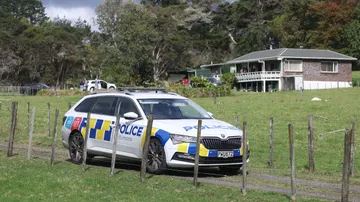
(253,76)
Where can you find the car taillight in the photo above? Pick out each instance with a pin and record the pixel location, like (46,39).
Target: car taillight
(64,119)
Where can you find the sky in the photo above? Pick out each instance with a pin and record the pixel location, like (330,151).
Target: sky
(72,9)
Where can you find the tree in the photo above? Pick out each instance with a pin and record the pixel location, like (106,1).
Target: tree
(330,18)
(32,10)
(291,27)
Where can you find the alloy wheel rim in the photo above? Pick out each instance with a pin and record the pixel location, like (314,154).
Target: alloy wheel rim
(155,156)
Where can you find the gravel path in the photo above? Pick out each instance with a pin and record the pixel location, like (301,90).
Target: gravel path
(330,191)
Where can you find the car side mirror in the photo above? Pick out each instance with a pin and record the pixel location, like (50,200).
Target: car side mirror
(211,114)
(131,115)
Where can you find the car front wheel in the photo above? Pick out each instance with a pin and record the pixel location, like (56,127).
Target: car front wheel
(156,162)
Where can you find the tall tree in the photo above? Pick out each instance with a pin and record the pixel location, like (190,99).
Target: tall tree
(32,10)
(330,18)
(291,27)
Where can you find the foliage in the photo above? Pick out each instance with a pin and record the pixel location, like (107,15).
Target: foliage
(228,79)
(355,82)
(206,91)
(47,92)
(197,81)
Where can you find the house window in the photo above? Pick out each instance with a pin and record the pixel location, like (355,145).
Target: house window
(293,66)
(329,67)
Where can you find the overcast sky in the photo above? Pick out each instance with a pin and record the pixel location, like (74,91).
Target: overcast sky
(73,9)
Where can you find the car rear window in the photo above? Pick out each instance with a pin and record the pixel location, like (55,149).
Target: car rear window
(86,105)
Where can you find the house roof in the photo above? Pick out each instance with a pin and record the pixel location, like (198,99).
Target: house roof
(288,53)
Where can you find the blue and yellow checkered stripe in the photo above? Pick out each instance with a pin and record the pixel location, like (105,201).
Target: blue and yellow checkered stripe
(99,129)
(162,135)
(190,148)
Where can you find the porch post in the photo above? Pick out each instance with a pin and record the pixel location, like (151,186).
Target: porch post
(264,88)
(281,75)
(280,83)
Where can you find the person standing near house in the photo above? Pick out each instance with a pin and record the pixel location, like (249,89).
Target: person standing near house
(82,85)
(96,83)
(185,81)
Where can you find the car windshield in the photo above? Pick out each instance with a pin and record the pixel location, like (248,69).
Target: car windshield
(173,109)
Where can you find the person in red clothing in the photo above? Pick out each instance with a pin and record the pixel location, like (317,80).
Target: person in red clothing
(185,81)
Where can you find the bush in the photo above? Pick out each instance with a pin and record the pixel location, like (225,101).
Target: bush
(229,79)
(51,92)
(355,82)
(209,91)
(200,82)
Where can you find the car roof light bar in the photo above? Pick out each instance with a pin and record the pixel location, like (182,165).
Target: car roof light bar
(134,89)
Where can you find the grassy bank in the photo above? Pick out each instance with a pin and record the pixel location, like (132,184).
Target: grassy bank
(35,180)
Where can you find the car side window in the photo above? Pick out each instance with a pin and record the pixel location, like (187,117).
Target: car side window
(127,105)
(86,105)
(105,105)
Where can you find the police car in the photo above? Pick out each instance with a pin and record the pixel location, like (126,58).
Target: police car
(173,137)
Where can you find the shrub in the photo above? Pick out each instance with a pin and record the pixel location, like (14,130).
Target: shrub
(52,92)
(200,82)
(355,82)
(228,79)
(209,91)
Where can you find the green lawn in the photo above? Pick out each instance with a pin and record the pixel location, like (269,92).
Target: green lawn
(336,111)
(356,74)
(35,180)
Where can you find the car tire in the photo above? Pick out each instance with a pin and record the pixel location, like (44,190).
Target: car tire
(111,88)
(156,162)
(230,170)
(76,149)
(92,89)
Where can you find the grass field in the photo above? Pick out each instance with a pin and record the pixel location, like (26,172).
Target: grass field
(36,180)
(356,74)
(336,111)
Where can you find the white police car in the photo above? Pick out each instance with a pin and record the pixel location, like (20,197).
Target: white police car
(173,141)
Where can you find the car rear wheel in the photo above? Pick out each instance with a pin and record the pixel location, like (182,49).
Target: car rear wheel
(156,163)
(230,170)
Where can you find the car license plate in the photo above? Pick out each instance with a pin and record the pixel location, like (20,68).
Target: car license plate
(225,154)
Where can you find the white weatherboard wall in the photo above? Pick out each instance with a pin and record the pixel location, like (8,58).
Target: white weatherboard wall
(311,85)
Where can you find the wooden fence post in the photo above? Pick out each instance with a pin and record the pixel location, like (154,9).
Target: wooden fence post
(197,154)
(292,163)
(12,128)
(28,118)
(237,121)
(271,141)
(352,152)
(31,129)
(54,137)
(244,158)
(49,124)
(86,138)
(146,148)
(346,166)
(69,105)
(311,143)
(214,97)
(116,134)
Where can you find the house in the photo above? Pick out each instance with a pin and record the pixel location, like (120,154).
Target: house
(289,69)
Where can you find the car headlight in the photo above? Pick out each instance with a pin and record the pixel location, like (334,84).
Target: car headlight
(177,139)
